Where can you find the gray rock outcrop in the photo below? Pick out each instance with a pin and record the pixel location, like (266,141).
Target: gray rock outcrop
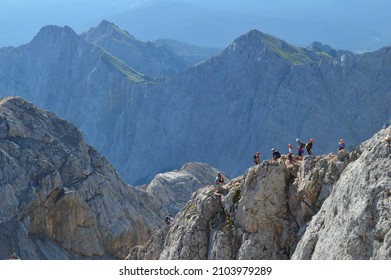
(59,197)
(355,221)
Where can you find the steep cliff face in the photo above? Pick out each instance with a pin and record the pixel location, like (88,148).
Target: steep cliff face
(60,198)
(260,92)
(260,215)
(355,221)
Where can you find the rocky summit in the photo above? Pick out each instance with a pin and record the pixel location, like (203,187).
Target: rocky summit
(335,206)
(60,198)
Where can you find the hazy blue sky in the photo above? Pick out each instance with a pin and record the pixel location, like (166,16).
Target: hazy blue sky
(342,23)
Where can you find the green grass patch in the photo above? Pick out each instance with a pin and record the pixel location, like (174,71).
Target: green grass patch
(122,67)
(291,53)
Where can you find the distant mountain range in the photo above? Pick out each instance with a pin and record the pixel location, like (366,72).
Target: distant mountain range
(357,26)
(362,26)
(164,57)
(148,110)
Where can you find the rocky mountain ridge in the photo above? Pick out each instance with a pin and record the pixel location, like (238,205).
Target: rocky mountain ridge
(324,207)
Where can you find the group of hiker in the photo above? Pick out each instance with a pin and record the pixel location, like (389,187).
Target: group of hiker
(300,150)
(219,180)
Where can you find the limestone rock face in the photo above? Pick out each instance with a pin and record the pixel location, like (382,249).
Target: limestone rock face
(313,183)
(355,221)
(60,198)
(152,249)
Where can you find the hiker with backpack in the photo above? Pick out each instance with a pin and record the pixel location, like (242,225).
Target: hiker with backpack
(341,145)
(308,146)
(276,154)
(257,158)
(219,181)
(169,219)
(300,148)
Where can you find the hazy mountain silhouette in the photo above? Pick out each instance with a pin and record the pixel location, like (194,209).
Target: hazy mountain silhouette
(354,25)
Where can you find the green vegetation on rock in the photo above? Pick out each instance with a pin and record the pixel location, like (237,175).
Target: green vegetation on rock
(128,72)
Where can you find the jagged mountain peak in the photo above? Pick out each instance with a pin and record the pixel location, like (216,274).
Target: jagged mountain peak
(53,32)
(13,101)
(325,50)
(259,42)
(105,29)
(318,46)
(105,24)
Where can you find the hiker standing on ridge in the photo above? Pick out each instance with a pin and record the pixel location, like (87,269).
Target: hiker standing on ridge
(290,153)
(341,145)
(169,220)
(308,146)
(257,158)
(300,148)
(219,182)
(276,154)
